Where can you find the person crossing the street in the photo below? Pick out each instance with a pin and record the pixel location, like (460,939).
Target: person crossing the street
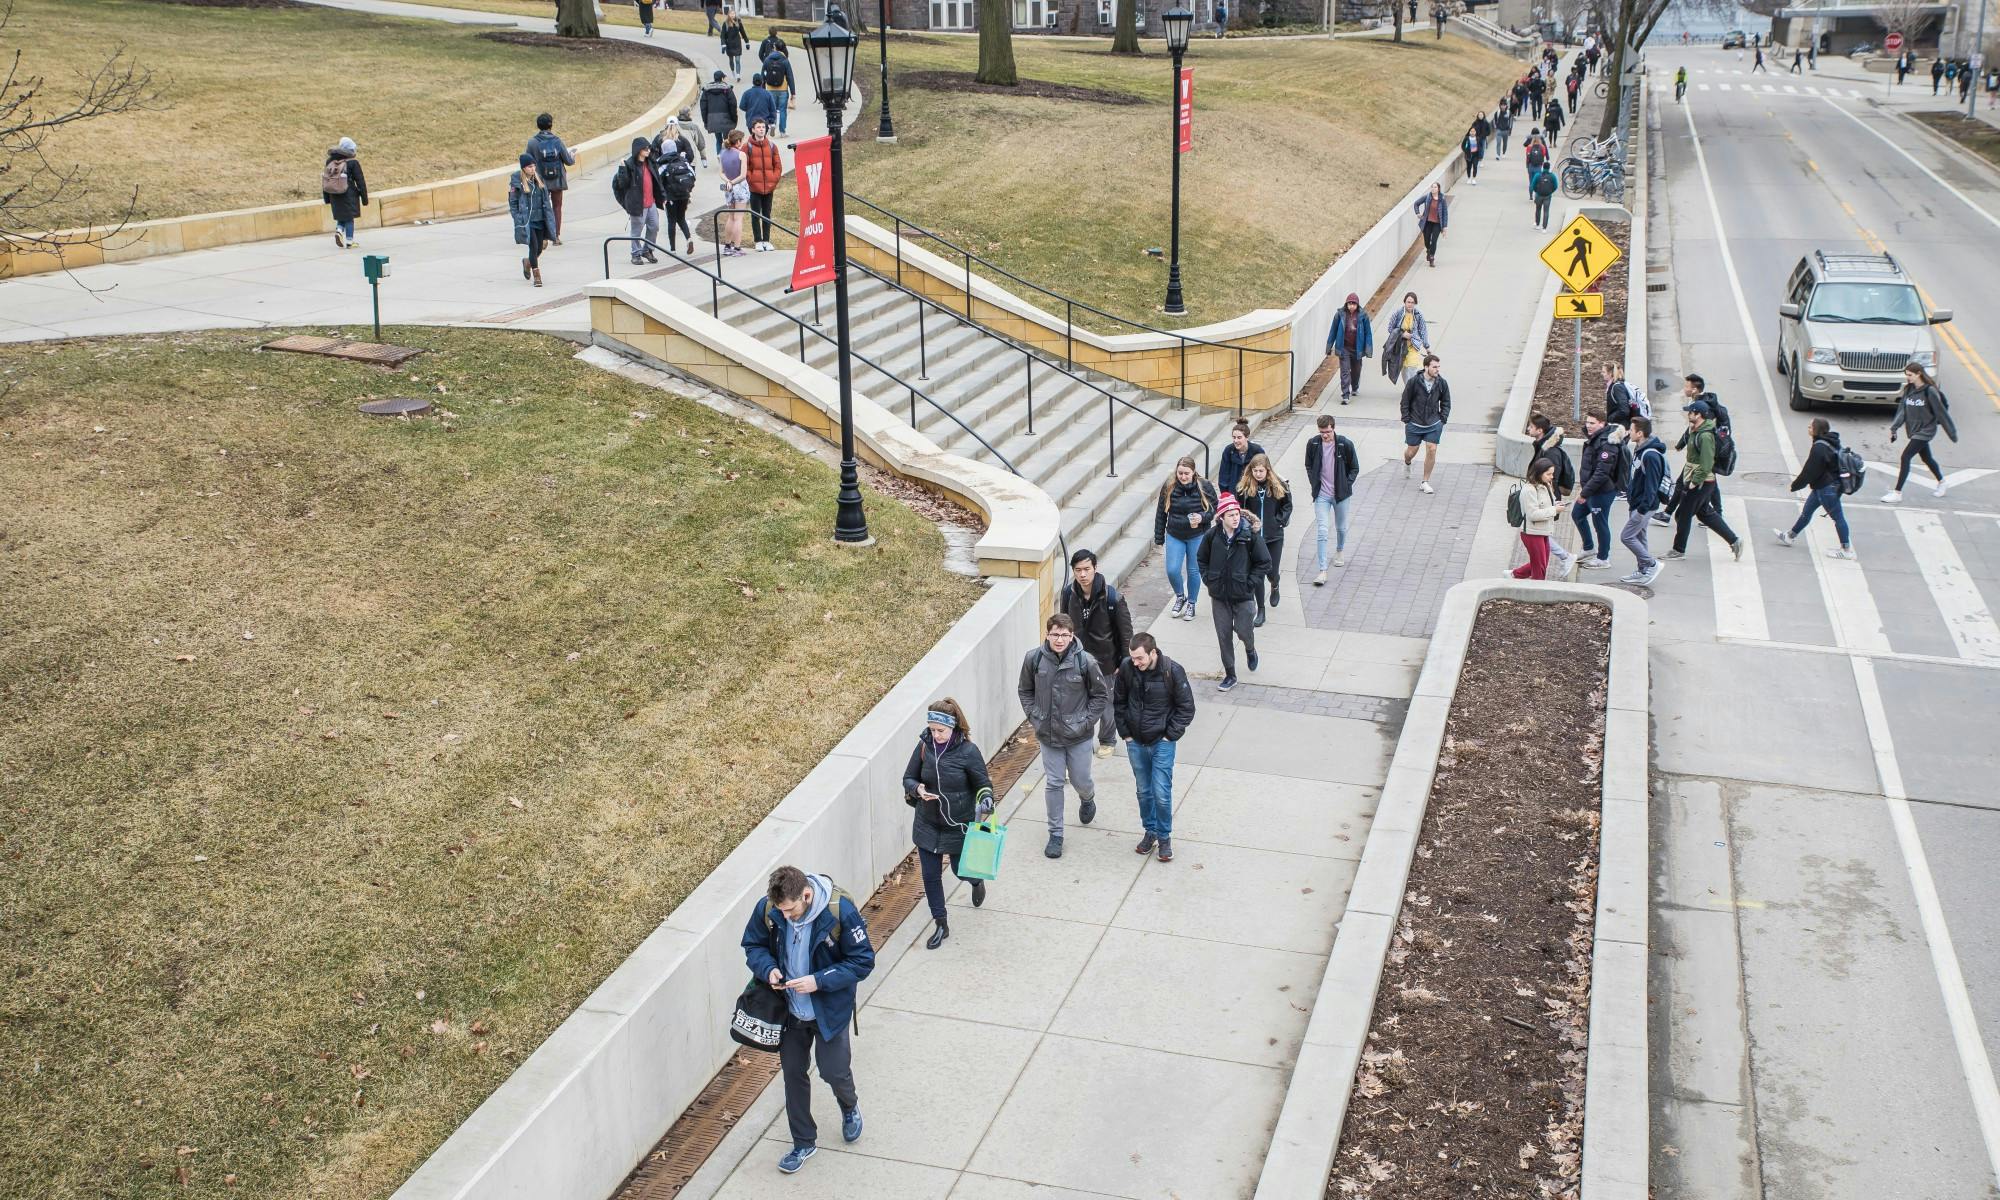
(1698,496)
(1921,410)
(1642,495)
(1597,490)
(1819,478)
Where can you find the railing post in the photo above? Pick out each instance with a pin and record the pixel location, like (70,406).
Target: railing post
(715,298)
(913,407)
(1028,363)
(1111,433)
(802,340)
(1183,397)
(899,252)
(923,348)
(1239,383)
(1069,335)
(968,285)
(816,316)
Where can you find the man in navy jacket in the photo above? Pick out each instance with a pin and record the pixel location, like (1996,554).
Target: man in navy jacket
(1642,496)
(806,938)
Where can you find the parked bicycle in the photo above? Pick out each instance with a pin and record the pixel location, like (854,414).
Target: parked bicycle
(1582,177)
(1593,149)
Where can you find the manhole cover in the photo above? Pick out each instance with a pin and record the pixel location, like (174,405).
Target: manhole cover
(397,406)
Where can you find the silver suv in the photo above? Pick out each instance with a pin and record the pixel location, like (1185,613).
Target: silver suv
(1849,325)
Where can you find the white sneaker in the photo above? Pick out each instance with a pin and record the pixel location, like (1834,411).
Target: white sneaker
(1840,552)
(1319,580)
(1634,577)
(1892,497)
(1784,536)
(1570,565)
(1406,468)
(338,240)
(1339,559)
(1426,488)
(1596,564)
(1180,603)
(1939,490)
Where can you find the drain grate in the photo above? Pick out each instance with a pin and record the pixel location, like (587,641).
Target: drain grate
(332,347)
(699,1130)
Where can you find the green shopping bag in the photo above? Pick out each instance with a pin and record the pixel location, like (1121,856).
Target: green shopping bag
(980,857)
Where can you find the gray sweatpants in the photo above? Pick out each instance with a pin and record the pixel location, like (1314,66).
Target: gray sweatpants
(647,225)
(1233,619)
(1065,764)
(1634,537)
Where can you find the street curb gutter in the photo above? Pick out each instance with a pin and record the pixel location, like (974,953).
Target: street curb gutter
(1616,1115)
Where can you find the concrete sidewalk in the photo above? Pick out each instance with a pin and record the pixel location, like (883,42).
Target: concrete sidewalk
(1108,1025)
(465,271)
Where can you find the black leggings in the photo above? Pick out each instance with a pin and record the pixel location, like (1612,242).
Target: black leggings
(1269,583)
(1917,448)
(1472,165)
(931,865)
(760,216)
(677,218)
(1431,231)
(536,240)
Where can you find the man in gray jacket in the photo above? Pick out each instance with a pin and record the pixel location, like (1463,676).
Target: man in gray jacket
(1063,694)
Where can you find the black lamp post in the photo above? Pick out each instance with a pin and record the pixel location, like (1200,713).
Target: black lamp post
(1179,21)
(830,52)
(886,131)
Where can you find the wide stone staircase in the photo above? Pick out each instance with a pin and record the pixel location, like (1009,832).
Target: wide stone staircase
(981,384)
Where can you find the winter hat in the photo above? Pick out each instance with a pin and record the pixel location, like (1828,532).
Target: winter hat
(345,145)
(1226,505)
(1354,299)
(527,160)
(718,77)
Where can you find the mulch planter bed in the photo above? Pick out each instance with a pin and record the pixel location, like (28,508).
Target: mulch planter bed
(1471,1083)
(1603,341)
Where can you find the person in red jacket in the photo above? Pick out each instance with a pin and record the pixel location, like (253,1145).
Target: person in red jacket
(765,165)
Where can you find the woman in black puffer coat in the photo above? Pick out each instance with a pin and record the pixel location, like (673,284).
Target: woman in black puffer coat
(946,783)
(1182,518)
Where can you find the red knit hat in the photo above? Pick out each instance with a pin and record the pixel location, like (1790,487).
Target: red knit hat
(1227,505)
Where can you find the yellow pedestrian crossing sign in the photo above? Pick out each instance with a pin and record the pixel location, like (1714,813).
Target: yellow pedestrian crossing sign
(1578,305)
(1580,253)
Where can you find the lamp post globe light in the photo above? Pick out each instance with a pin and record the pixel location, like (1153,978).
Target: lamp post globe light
(830,53)
(885,131)
(1179,22)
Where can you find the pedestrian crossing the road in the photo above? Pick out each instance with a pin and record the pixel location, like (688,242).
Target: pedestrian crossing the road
(1924,585)
(1799,90)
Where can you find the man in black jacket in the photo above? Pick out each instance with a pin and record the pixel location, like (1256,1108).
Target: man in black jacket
(1236,457)
(1103,628)
(1233,559)
(1154,706)
(1597,491)
(1617,396)
(1331,468)
(1426,408)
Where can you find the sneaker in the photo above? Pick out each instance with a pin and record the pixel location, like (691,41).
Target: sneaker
(1104,749)
(850,1125)
(1634,577)
(1188,615)
(1406,469)
(1253,660)
(1596,564)
(1646,579)
(338,240)
(1054,848)
(1319,580)
(1088,812)
(1339,560)
(1674,554)
(1569,567)
(1736,548)
(1166,849)
(1426,488)
(1180,603)
(1939,490)
(1840,552)
(650,257)
(1784,536)
(1660,518)
(1146,845)
(1892,497)
(795,1158)
(1228,682)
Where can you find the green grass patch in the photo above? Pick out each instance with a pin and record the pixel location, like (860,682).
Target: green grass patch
(1299,147)
(342,757)
(256,95)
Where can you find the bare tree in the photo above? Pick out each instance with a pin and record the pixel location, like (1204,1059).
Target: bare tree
(1902,16)
(576,18)
(1125,40)
(30,184)
(996,43)
(1627,31)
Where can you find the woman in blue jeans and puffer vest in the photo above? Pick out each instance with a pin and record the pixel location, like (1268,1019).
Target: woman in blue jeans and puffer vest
(947,784)
(1180,520)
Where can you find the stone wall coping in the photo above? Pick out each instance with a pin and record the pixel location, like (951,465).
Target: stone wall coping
(1615,1141)
(465,195)
(1023,523)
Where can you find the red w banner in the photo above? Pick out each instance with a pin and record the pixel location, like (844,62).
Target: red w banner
(1187,109)
(812,262)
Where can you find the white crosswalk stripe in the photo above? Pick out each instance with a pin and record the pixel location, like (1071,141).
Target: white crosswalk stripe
(1723,86)
(1739,597)
(1966,616)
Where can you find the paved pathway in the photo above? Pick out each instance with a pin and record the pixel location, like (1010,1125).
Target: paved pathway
(447,273)
(1110,1026)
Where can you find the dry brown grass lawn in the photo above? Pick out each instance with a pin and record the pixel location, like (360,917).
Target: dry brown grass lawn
(257,95)
(1299,146)
(343,757)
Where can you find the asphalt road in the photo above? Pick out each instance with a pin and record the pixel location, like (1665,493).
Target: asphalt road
(1827,943)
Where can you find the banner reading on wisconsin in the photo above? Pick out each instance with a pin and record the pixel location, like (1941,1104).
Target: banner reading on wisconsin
(812,263)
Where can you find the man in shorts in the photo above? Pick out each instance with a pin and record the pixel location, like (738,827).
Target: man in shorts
(1426,407)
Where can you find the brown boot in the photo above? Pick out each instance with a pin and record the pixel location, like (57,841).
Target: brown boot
(538,277)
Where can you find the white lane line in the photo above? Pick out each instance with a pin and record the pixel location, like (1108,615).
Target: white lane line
(1790,90)
(1702,87)
(1723,86)
(1771,88)
(1952,479)
(1991,219)
(1957,596)
(1978,1068)
(1739,595)
(1857,623)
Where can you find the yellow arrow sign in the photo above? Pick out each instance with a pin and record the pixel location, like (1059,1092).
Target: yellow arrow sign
(1580,253)
(1578,305)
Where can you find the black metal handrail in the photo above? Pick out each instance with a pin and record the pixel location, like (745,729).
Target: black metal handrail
(1029,354)
(1071,305)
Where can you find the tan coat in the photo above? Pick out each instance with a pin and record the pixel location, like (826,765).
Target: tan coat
(1538,505)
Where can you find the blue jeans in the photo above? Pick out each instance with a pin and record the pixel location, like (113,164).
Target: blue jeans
(1181,561)
(1595,513)
(1828,498)
(1153,778)
(784,111)
(1327,512)
(346,229)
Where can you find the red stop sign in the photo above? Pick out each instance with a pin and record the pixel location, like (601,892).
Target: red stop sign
(1893,42)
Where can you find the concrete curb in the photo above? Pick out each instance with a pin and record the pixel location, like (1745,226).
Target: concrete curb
(465,196)
(1615,1140)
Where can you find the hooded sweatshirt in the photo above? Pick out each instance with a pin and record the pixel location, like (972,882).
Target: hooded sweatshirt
(799,941)
(1649,466)
(636,186)
(1351,334)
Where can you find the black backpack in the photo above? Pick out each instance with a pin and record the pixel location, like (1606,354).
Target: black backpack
(1621,470)
(1545,182)
(1725,438)
(759,1019)
(677,178)
(1853,470)
(548,159)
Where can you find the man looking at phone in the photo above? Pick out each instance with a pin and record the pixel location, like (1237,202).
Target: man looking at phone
(806,939)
